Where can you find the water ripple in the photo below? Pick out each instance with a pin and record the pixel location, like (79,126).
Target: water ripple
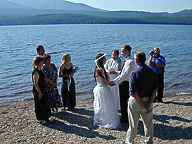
(18,48)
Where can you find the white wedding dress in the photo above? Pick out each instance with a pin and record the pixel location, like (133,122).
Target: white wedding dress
(105,113)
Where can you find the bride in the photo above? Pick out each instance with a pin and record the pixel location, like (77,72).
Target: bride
(105,113)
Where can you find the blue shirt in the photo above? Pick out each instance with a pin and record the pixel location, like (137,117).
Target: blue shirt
(158,60)
(143,81)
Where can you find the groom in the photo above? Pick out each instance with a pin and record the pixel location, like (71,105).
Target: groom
(123,80)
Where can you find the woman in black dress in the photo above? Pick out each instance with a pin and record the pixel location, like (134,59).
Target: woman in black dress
(68,84)
(42,109)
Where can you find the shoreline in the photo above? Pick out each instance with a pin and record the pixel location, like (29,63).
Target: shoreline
(172,124)
(21,100)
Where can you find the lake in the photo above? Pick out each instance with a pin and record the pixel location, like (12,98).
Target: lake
(83,42)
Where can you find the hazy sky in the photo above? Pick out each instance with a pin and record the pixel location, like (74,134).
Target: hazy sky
(139,5)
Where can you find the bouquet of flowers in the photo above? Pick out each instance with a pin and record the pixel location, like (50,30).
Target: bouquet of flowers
(75,68)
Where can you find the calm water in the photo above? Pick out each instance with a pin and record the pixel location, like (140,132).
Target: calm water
(83,42)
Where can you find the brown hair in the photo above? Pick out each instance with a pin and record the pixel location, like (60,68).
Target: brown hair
(116,51)
(127,48)
(39,47)
(37,60)
(46,57)
(140,55)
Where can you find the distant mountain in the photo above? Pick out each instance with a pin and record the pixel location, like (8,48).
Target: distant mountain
(4,4)
(183,13)
(28,12)
(55,5)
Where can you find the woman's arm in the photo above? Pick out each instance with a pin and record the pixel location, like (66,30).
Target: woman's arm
(36,80)
(49,81)
(107,82)
(60,71)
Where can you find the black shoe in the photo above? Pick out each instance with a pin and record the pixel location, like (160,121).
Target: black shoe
(155,100)
(160,101)
(71,109)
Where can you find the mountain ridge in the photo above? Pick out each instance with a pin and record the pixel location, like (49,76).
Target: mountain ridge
(55,5)
(4,4)
(22,14)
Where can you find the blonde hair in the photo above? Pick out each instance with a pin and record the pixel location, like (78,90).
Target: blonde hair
(64,57)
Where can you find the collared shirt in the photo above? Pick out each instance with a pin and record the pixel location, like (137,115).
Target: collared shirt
(128,67)
(113,65)
(143,81)
(158,60)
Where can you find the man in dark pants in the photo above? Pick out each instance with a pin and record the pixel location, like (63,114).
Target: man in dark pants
(157,63)
(123,80)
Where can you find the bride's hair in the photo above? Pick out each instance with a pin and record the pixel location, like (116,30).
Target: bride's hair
(99,66)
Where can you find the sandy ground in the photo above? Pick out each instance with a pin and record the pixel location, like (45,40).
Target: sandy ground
(172,124)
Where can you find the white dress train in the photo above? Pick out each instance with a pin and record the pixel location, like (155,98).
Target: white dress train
(105,113)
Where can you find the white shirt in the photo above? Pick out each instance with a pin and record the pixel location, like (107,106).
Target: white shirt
(128,67)
(113,67)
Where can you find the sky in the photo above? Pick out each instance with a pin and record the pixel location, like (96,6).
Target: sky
(139,5)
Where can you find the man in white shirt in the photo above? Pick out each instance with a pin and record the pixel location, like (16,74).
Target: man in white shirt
(123,80)
(113,68)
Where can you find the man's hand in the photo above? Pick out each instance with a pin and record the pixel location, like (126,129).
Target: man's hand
(112,72)
(111,83)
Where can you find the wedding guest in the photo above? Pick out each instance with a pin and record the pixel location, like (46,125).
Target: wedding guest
(42,109)
(40,50)
(157,63)
(68,84)
(50,71)
(105,114)
(143,86)
(123,81)
(113,68)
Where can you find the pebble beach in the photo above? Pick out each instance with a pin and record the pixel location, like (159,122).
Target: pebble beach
(172,124)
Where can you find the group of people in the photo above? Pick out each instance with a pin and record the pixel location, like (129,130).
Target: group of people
(129,87)
(44,78)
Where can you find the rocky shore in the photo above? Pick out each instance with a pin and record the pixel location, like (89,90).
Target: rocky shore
(172,124)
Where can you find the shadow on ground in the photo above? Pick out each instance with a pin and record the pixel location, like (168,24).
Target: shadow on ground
(80,117)
(166,118)
(79,122)
(165,132)
(178,103)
